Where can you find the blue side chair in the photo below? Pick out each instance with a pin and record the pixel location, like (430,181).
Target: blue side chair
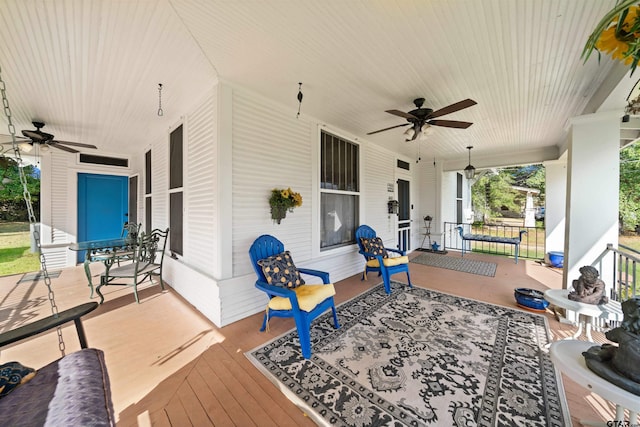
(304,303)
(377,258)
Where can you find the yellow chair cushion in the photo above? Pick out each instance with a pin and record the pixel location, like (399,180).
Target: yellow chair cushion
(389,262)
(309,296)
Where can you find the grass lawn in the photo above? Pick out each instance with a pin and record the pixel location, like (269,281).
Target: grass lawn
(630,241)
(15,246)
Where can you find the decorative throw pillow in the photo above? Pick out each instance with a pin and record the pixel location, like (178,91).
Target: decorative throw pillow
(13,374)
(280,271)
(374,246)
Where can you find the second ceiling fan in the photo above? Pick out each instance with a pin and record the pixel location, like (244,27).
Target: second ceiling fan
(422,119)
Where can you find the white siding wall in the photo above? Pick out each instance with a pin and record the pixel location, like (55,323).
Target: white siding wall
(426,203)
(200,188)
(60,232)
(194,274)
(160,182)
(379,172)
(271,149)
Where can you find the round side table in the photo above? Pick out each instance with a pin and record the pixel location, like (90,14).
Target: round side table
(567,357)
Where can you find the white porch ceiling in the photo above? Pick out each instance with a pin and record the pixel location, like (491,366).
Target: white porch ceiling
(90,68)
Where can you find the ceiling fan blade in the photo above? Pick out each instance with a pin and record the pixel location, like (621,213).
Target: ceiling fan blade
(63,148)
(450,123)
(75,144)
(392,127)
(402,114)
(6,139)
(453,108)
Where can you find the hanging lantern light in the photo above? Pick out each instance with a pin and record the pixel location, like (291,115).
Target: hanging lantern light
(470,171)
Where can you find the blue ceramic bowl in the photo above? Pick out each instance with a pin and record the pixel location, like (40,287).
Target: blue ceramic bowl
(556,259)
(530,299)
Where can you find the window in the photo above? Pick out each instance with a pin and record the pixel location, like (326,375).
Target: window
(175,222)
(147,192)
(147,172)
(401,164)
(175,158)
(339,191)
(104,160)
(147,215)
(175,191)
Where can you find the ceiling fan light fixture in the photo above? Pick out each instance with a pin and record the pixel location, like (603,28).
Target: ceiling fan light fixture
(410,133)
(44,148)
(425,131)
(25,146)
(469,171)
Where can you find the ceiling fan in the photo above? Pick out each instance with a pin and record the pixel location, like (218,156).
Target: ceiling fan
(44,139)
(421,119)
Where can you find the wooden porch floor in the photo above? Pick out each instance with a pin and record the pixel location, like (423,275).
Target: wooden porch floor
(170,366)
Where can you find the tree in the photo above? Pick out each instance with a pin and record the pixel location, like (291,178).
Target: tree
(12,204)
(630,187)
(493,193)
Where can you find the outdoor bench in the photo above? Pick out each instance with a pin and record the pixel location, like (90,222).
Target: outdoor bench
(488,238)
(71,391)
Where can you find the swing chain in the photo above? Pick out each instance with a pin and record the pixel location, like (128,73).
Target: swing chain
(32,218)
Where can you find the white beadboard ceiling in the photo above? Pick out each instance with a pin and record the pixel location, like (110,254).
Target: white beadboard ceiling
(90,68)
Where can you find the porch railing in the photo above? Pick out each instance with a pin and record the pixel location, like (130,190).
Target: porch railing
(621,281)
(532,245)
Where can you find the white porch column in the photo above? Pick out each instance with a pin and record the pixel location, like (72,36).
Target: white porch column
(529,211)
(555,204)
(592,190)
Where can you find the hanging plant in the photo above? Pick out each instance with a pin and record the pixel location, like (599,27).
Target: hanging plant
(283,200)
(618,34)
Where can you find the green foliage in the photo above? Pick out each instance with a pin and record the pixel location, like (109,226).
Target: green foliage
(492,195)
(630,187)
(12,204)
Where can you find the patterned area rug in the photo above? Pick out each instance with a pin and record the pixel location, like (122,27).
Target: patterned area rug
(419,357)
(481,268)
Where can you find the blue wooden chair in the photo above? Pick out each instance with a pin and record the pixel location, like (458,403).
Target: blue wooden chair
(304,303)
(377,258)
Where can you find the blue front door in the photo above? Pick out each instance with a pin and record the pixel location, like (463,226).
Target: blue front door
(102,207)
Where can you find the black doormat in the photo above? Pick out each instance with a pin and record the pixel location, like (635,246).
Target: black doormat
(458,264)
(432,251)
(35,276)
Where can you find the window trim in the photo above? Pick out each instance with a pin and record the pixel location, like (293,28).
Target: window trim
(317,251)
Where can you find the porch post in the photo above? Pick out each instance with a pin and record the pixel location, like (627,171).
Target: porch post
(555,204)
(592,190)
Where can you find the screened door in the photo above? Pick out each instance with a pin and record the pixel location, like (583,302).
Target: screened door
(404,215)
